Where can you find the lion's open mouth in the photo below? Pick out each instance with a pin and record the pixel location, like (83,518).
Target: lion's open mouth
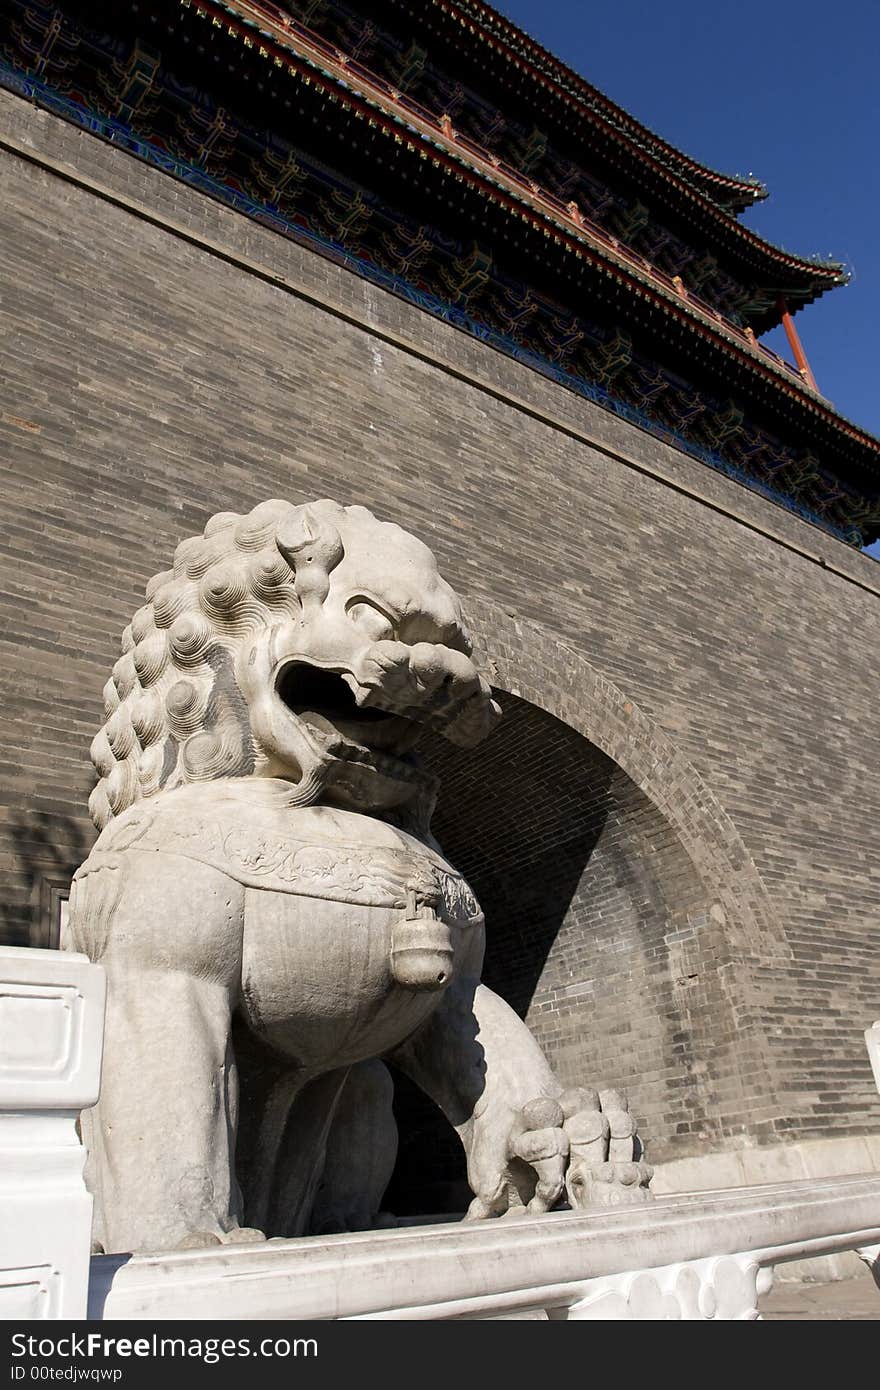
(307,689)
(353,744)
(324,699)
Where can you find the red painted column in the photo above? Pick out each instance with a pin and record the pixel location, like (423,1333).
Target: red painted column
(794,341)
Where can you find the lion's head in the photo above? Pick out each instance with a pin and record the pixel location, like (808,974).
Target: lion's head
(311,643)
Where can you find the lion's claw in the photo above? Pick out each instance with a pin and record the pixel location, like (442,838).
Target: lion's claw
(583,1146)
(606,1167)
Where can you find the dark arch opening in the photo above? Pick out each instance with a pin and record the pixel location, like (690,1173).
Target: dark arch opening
(587,892)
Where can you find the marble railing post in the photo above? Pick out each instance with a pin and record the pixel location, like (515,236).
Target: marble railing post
(872,1039)
(51,1033)
(871,1253)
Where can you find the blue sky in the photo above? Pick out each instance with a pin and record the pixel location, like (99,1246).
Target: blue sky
(786,91)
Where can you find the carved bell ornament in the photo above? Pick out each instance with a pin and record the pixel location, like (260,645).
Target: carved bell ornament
(421,948)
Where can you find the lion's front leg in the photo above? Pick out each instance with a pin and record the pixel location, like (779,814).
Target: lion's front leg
(360,1155)
(478,1061)
(161,1138)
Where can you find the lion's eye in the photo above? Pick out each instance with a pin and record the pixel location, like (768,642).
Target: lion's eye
(371,621)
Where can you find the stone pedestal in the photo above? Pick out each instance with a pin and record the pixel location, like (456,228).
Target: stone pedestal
(51,1027)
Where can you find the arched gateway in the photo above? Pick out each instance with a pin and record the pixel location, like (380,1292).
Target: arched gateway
(625,917)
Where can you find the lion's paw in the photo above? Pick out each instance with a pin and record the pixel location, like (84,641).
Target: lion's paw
(242,1235)
(203,1240)
(583,1146)
(544,1145)
(606,1165)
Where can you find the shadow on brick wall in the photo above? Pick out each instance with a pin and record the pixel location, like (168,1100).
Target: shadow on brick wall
(47,849)
(520,818)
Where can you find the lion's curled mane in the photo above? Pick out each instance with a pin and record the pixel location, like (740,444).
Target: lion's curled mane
(170,717)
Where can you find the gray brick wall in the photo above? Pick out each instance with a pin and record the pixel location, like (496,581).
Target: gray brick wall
(150,382)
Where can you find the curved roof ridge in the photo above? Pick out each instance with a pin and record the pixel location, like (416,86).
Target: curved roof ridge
(339,69)
(749,188)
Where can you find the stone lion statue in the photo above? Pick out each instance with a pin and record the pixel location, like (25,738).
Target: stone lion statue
(274,916)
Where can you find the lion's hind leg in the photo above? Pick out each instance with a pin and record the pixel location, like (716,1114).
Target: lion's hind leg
(361,1153)
(162,1135)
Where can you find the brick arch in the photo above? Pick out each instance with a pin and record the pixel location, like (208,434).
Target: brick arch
(626,921)
(520,657)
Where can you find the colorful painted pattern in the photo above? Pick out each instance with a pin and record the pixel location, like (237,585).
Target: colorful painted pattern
(125,94)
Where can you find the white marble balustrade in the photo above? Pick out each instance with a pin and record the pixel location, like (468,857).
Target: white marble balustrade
(51,1032)
(702,1257)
